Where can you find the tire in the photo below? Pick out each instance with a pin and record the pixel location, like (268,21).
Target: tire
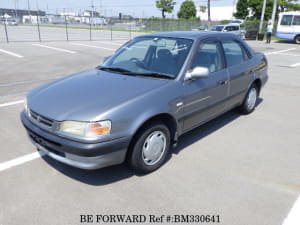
(297,39)
(150,148)
(249,103)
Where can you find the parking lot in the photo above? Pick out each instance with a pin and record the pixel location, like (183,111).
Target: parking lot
(243,168)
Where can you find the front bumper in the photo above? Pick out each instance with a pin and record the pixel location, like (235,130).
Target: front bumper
(77,154)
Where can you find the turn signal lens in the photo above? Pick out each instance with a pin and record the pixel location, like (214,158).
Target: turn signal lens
(98,128)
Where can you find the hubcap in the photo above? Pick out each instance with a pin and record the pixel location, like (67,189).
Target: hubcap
(251,99)
(154,147)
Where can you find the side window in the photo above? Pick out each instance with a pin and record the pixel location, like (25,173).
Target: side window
(296,20)
(229,28)
(234,52)
(235,28)
(286,20)
(209,55)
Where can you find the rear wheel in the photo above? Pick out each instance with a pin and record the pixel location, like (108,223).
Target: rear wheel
(250,100)
(150,148)
(297,39)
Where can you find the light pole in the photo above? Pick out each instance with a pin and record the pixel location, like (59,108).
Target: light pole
(92,12)
(29,11)
(262,16)
(208,12)
(274,12)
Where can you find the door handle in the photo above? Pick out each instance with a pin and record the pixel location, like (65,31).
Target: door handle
(222,82)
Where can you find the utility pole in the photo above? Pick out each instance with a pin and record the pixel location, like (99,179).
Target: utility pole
(233,7)
(92,11)
(262,16)
(101,14)
(38,20)
(16,14)
(29,11)
(274,12)
(208,12)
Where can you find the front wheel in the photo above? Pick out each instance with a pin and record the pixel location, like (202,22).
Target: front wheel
(150,148)
(250,100)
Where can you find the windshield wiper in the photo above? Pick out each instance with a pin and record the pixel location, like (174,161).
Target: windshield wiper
(116,69)
(128,72)
(158,75)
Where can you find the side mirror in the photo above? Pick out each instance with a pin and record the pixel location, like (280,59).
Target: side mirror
(197,73)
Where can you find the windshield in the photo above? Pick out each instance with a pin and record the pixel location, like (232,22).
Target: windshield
(150,56)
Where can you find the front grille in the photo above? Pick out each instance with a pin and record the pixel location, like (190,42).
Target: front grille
(41,119)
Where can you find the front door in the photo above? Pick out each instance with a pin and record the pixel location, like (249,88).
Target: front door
(206,97)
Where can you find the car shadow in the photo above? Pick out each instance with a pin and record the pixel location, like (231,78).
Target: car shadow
(116,173)
(208,128)
(97,177)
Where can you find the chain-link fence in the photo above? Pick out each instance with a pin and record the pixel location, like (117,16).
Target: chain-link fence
(52,27)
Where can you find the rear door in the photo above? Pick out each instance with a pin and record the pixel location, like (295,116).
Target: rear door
(206,97)
(240,65)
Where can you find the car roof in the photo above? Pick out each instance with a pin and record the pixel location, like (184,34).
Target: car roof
(189,34)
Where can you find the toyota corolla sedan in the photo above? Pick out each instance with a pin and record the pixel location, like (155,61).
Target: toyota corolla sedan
(135,106)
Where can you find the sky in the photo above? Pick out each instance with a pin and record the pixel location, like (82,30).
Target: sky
(136,8)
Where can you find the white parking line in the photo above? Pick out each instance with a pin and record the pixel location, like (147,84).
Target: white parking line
(293,217)
(295,65)
(286,50)
(287,54)
(93,46)
(54,48)
(14,94)
(11,53)
(25,82)
(11,103)
(20,160)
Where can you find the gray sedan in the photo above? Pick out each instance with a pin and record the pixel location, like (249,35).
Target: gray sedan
(137,104)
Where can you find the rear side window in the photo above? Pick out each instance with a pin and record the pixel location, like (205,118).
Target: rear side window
(234,52)
(286,20)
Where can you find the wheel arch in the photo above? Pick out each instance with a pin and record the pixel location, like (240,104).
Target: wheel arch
(258,83)
(165,118)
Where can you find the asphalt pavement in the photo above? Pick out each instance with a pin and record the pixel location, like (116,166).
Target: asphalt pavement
(244,169)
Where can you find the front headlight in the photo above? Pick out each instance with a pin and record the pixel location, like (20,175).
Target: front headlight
(86,129)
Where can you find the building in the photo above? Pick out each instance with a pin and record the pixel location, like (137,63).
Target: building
(22,16)
(217,13)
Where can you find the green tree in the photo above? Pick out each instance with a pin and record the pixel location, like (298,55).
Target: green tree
(187,10)
(288,5)
(166,6)
(203,8)
(256,8)
(241,9)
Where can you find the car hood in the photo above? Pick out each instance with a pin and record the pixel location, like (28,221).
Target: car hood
(88,94)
